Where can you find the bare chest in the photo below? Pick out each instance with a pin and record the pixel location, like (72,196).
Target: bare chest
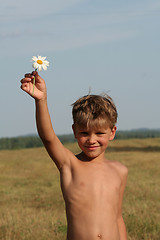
(93,184)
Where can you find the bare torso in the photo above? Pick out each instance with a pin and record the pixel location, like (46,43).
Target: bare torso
(91,193)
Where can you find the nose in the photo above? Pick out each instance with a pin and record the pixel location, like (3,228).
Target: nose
(91,139)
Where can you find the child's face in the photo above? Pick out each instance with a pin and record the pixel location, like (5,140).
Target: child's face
(93,143)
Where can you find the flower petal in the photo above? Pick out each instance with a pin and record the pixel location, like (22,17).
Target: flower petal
(34,58)
(39,57)
(46,63)
(35,65)
(44,67)
(39,67)
(43,58)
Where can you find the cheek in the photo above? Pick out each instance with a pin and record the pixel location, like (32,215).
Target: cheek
(104,141)
(81,141)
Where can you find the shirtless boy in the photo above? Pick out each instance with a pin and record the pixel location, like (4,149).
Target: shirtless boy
(92,186)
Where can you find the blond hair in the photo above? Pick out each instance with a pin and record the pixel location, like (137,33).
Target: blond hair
(94,111)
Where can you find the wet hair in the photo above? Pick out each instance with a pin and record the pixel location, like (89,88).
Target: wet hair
(94,111)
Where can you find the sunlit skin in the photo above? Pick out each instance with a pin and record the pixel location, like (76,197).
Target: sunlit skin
(93,143)
(92,186)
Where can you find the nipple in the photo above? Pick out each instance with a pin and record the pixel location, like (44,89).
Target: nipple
(99,236)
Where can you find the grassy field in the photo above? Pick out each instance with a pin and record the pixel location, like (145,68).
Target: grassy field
(31,203)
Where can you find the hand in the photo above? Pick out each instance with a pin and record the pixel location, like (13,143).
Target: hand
(40,91)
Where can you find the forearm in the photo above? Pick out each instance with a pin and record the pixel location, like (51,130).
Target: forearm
(43,121)
(122,229)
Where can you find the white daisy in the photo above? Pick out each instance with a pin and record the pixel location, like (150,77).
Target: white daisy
(40,63)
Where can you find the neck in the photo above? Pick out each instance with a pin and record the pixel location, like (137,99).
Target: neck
(84,158)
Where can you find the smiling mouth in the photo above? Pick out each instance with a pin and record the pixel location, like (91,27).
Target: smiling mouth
(92,147)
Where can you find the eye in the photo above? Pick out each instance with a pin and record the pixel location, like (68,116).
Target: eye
(84,133)
(100,133)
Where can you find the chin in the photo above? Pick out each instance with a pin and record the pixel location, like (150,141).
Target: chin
(91,155)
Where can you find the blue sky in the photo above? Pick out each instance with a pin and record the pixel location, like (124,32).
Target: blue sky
(102,45)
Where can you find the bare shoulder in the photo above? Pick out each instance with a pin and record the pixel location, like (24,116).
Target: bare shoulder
(121,169)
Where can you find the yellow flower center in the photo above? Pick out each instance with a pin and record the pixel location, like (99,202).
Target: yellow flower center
(39,62)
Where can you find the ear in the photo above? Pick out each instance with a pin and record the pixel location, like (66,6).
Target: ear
(113,132)
(74,130)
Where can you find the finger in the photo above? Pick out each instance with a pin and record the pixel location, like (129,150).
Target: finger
(34,73)
(23,80)
(29,75)
(27,87)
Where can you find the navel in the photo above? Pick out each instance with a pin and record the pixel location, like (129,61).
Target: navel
(99,236)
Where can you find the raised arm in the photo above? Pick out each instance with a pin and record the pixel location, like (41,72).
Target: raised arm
(55,148)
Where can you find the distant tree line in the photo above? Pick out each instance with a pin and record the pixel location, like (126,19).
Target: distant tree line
(29,141)
(20,142)
(138,133)
(35,141)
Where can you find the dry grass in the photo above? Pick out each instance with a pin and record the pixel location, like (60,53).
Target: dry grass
(31,204)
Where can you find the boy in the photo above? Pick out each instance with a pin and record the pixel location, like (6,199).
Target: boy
(92,186)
